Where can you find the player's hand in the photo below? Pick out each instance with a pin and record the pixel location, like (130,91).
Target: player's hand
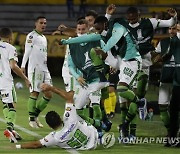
(112,70)
(28,83)
(101,53)
(110,9)
(172,12)
(157,58)
(61,27)
(23,70)
(82,81)
(45,87)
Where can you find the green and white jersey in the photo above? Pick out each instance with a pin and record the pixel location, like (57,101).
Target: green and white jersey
(75,134)
(7,53)
(80,56)
(35,52)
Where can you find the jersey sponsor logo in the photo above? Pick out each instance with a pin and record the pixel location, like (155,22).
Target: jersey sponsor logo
(88,62)
(2,46)
(68,109)
(4,95)
(67,132)
(127,71)
(46,140)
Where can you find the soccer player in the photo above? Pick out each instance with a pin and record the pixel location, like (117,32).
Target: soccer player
(87,77)
(69,133)
(36,53)
(165,88)
(8,61)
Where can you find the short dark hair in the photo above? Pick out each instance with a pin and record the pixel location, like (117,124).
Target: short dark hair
(53,119)
(40,17)
(92,13)
(132,10)
(82,21)
(101,19)
(5,32)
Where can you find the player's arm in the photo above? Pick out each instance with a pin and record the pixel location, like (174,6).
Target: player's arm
(30,145)
(67,96)
(82,39)
(28,48)
(117,32)
(158,23)
(110,10)
(18,71)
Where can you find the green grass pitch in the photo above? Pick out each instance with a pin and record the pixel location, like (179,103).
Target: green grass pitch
(145,129)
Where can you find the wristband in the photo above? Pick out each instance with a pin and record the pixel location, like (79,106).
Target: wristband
(18,146)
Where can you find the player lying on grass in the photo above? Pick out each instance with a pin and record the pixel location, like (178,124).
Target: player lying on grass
(70,133)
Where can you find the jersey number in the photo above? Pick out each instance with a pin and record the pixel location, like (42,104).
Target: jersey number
(78,139)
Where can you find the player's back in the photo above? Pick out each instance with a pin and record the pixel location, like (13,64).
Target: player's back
(7,52)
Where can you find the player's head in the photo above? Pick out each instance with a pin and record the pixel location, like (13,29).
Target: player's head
(132,15)
(90,17)
(172,30)
(6,34)
(100,24)
(40,24)
(82,27)
(53,120)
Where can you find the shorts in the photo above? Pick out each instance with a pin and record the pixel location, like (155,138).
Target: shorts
(8,95)
(37,78)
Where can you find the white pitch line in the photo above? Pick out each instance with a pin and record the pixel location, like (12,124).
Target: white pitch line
(72,151)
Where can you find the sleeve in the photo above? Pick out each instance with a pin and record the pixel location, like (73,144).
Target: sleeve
(158,23)
(13,54)
(49,140)
(28,48)
(117,32)
(108,16)
(83,39)
(158,48)
(72,68)
(70,115)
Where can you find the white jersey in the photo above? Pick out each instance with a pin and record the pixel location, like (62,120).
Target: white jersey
(74,134)
(7,52)
(36,52)
(65,68)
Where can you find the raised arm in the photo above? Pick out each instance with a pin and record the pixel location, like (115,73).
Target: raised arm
(82,39)
(165,23)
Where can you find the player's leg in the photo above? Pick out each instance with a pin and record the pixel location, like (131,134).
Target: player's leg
(43,102)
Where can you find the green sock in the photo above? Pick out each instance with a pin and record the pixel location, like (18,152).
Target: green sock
(86,111)
(124,111)
(133,126)
(5,111)
(131,112)
(98,64)
(41,105)
(80,112)
(126,93)
(164,115)
(11,118)
(32,107)
(142,83)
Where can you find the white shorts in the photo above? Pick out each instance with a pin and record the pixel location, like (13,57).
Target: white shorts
(90,94)
(69,83)
(8,95)
(165,91)
(37,78)
(129,71)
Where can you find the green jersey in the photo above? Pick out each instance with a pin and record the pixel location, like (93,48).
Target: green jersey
(81,59)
